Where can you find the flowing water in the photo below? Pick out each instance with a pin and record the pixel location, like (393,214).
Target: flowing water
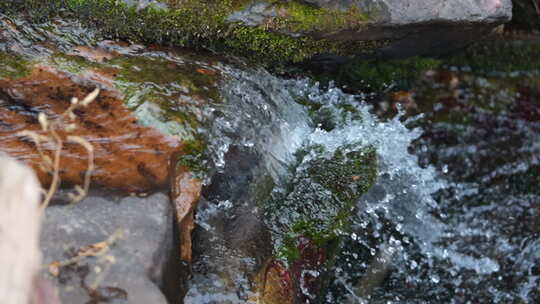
(454,216)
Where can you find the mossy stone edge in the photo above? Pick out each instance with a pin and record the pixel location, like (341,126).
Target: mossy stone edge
(196,24)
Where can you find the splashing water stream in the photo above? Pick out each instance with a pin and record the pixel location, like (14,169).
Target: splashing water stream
(404,246)
(452,217)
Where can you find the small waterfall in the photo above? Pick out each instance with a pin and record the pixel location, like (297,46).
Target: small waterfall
(452,218)
(254,137)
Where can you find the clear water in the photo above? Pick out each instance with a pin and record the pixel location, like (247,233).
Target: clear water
(453,218)
(445,229)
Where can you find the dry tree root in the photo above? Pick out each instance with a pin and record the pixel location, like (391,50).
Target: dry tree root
(65,122)
(98,250)
(105,260)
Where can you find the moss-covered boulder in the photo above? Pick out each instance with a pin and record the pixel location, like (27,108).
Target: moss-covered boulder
(260,242)
(285,31)
(308,218)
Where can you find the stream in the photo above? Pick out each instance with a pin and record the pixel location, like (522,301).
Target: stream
(452,217)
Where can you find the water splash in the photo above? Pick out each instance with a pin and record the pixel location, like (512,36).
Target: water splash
(399,222)
(463,229)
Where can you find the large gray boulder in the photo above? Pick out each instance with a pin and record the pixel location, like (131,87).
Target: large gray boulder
(396,28)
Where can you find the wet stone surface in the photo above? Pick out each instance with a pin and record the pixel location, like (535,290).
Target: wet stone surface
(130,253)
(152,101)
(291,31)
(402,27)
(127,155)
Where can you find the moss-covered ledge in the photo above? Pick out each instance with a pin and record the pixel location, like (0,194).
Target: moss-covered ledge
(202,24)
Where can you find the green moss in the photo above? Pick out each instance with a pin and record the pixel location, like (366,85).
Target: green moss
(347,175)
(313,107)
(319,202)
(163,74)
(175,88)
(289,251)
(198,24)
(262,44)
(377,75)
(499,56)
(72,64)
(13,66)
(329,116)
(496,95)
(301,17)
(194,157)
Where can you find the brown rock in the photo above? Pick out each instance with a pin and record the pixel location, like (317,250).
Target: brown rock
(127,156)
(274,285)
(185,191)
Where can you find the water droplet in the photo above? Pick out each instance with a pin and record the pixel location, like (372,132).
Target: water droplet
(445,169)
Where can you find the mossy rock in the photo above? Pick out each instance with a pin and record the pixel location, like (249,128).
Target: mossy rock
(300,17)
(494,57)
(166,89)
(308,218)
(200,24)
(279,31)
(319,201)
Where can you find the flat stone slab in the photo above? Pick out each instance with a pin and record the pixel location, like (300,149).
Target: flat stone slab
(138,239)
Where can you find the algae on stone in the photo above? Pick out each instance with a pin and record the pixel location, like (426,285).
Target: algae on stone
(164,93)
(13,66)
(297,17)
(379,74)
(307,219)
(202,24)
(319,201)
(499,56)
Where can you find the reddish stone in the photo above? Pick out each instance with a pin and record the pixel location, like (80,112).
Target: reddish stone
(128,156)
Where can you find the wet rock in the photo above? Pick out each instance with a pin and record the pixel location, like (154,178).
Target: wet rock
(151,105)
(185,191)
(127,155)
(92,54)
(265,247)
(285,31)
(113,249)
(308,218)
(231,241)
(410,27)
